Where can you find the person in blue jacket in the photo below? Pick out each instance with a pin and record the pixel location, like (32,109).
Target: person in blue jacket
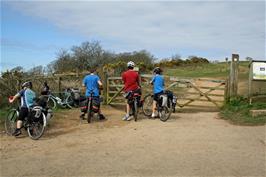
(93,84)
(158,88)
(27,97)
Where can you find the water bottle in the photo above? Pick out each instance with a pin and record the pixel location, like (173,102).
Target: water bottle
(174,99)
(164,100)
(49,114)
(58,100)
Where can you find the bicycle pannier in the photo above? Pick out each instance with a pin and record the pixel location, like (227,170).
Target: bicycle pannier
(163,100)
(95,104)
(83,105)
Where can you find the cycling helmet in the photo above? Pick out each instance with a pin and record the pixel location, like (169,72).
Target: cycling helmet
(131,64)
(157,70)
(27,84)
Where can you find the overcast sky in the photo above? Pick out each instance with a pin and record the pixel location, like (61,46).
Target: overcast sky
(32,32)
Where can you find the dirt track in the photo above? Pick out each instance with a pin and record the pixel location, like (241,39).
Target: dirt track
(189,144)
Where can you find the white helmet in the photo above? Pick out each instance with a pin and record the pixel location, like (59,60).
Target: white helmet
(130,64)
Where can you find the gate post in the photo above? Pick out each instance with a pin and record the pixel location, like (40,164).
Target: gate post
(226,91)
(105,87)
(233,78)
(59,85)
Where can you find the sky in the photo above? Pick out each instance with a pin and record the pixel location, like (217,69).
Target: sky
(32,32)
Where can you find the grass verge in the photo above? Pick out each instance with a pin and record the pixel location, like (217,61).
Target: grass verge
(237,111)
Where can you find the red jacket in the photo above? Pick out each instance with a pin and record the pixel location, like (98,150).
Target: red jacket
(131,80)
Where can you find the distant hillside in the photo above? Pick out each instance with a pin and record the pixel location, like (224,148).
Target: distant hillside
(214,70)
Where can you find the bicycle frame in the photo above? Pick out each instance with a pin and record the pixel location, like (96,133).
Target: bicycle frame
(65,102)
(89,107)
(133,103)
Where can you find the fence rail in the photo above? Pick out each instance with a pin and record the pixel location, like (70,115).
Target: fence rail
(188,90)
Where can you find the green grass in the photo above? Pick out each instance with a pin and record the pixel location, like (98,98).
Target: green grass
(214,70)
(237,112)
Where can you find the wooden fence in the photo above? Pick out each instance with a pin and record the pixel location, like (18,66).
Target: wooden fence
(11,84)
(190,92)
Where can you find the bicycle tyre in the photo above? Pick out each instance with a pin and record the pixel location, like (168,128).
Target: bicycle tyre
(69,102)
(89,112)
(147,105)
(11,121)
(36,129)
(165,113)
(51,103)
(135,110)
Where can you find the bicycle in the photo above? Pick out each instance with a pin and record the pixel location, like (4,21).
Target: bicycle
(34,123)
(134,103)
(67,100)
(165,106)
(90,105)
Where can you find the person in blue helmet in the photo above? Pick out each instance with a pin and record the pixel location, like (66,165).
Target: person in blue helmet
(27,97)
(158,88)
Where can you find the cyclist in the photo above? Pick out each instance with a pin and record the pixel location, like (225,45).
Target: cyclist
(158,88)
(131,83)
(27,97)
(93,83)
(45,89)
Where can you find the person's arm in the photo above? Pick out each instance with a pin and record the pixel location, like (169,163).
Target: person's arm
(124,78)
(100,84)
(152,80)
(16,97)
(138,80)
(84,82)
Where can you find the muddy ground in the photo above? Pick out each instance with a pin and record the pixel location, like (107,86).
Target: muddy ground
(188,144)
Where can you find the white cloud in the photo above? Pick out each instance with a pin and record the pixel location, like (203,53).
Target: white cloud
(161,27)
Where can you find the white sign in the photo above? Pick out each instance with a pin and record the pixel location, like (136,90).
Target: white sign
(136,69)
(259,70)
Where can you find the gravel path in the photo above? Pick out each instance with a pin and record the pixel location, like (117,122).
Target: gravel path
(189,144)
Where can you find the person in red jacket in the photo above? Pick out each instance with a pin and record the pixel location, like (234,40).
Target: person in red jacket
(131,83)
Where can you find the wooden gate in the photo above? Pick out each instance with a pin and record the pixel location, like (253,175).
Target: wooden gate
(190,92)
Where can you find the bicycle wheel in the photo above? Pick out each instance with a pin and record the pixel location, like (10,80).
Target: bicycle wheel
(147,105)
(51,103)
(135,109)
(165,113)
(89,112)
(11,121)
(69,101)
(36,128)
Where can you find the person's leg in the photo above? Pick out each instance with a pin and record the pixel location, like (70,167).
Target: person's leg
(101,116)
(154,105)
(19,124)
(22,114)
(153,108)
(127,111)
